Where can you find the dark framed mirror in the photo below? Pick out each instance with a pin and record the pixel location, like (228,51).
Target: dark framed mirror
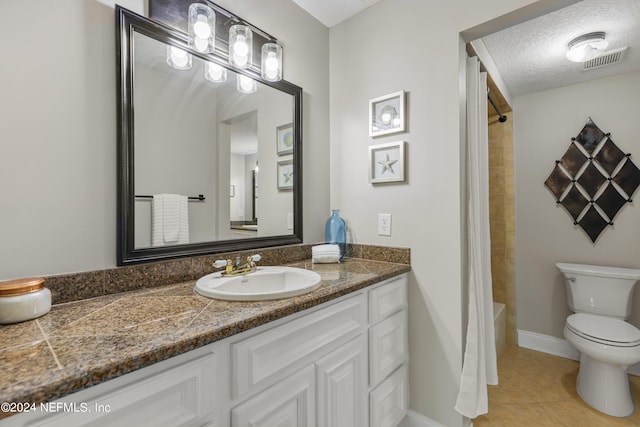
(202,148)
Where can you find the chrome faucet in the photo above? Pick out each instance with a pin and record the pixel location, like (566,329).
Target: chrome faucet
(238,268)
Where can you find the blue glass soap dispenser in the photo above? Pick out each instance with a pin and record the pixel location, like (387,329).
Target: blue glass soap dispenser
(335,231)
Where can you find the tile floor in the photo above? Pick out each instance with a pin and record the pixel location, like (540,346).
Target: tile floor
(538,389)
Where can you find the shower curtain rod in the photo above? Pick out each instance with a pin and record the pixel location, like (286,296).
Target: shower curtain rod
(502,118)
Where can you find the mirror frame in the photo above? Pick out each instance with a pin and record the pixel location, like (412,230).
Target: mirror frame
(126,23)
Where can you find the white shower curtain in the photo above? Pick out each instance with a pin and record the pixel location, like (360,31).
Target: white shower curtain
(479,367)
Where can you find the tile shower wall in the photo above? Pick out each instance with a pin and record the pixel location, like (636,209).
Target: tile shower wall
(501,211)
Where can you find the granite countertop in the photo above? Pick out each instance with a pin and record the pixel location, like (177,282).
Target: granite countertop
(83,343)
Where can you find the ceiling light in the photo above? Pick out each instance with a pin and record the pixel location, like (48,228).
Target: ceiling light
(586,47)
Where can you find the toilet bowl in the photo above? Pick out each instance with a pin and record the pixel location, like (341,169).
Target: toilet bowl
(601,300)
(607,347)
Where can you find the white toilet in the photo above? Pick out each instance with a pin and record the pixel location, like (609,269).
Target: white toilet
(601,299)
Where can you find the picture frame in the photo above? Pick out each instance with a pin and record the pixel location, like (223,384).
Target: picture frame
(285,175)
(387,162)
(284,139)
(387,114)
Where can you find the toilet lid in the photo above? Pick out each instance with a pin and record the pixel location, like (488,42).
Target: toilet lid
(605,330)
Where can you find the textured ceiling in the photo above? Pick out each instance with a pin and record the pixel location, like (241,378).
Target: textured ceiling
(531,56)
(332,12)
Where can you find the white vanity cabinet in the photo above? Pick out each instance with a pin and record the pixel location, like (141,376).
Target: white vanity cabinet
(172,393)
(340,364)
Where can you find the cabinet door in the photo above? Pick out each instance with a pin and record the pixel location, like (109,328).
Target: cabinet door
(289,403)
(342,388)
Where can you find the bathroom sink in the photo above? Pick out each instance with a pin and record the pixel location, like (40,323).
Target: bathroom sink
(264,284)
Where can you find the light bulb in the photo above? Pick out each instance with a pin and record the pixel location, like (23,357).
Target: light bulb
(240,61)
(178,58)
(240,46)
(201,27)
(215,73)
(246,84)
(271,62)
(271,66)
(201,45)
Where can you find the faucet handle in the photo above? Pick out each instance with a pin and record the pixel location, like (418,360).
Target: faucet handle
(220,263)
(256,257)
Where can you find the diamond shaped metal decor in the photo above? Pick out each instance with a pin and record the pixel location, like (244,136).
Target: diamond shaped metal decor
(593,180)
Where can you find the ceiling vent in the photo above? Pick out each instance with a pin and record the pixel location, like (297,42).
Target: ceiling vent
(612,57)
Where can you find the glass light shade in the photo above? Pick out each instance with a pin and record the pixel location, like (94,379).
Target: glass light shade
(202,27)
(240,46)
(587,47)
(215,73)
(271,68)
(246,84)
(178,58)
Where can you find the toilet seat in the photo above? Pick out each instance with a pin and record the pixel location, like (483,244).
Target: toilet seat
(594,328)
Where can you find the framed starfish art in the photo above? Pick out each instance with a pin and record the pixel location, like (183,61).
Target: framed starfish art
(386,162)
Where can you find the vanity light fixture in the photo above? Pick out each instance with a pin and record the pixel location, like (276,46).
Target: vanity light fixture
(215,73)
(271,67)
(587,46)
(246,84)
(178,58)
(240,46)
(202,27)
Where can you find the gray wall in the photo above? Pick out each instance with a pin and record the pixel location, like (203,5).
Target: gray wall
(58,127)
(412,46)
(544,123)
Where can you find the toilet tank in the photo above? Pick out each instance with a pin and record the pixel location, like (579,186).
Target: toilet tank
(607,291)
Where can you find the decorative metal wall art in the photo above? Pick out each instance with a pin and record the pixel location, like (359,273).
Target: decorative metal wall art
(593,180)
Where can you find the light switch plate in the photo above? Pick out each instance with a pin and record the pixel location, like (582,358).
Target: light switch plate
(384,224)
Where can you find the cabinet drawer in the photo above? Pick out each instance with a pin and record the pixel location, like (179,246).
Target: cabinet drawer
(261,357)
(387,346)
(387,299)
(388,401)
(179,396)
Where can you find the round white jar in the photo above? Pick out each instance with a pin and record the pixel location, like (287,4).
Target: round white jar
(23,299)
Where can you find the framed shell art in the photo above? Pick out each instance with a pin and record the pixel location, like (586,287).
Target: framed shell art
(387,114)
(285,175)
(284,139)
(386,162)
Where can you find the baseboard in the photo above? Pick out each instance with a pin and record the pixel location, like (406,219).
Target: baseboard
(556,346)
(414,419)
(547,344)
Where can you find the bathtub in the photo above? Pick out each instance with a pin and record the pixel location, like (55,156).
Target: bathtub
(500,325)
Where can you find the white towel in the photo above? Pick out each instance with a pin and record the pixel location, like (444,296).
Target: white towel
(169,220)
(325,254)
